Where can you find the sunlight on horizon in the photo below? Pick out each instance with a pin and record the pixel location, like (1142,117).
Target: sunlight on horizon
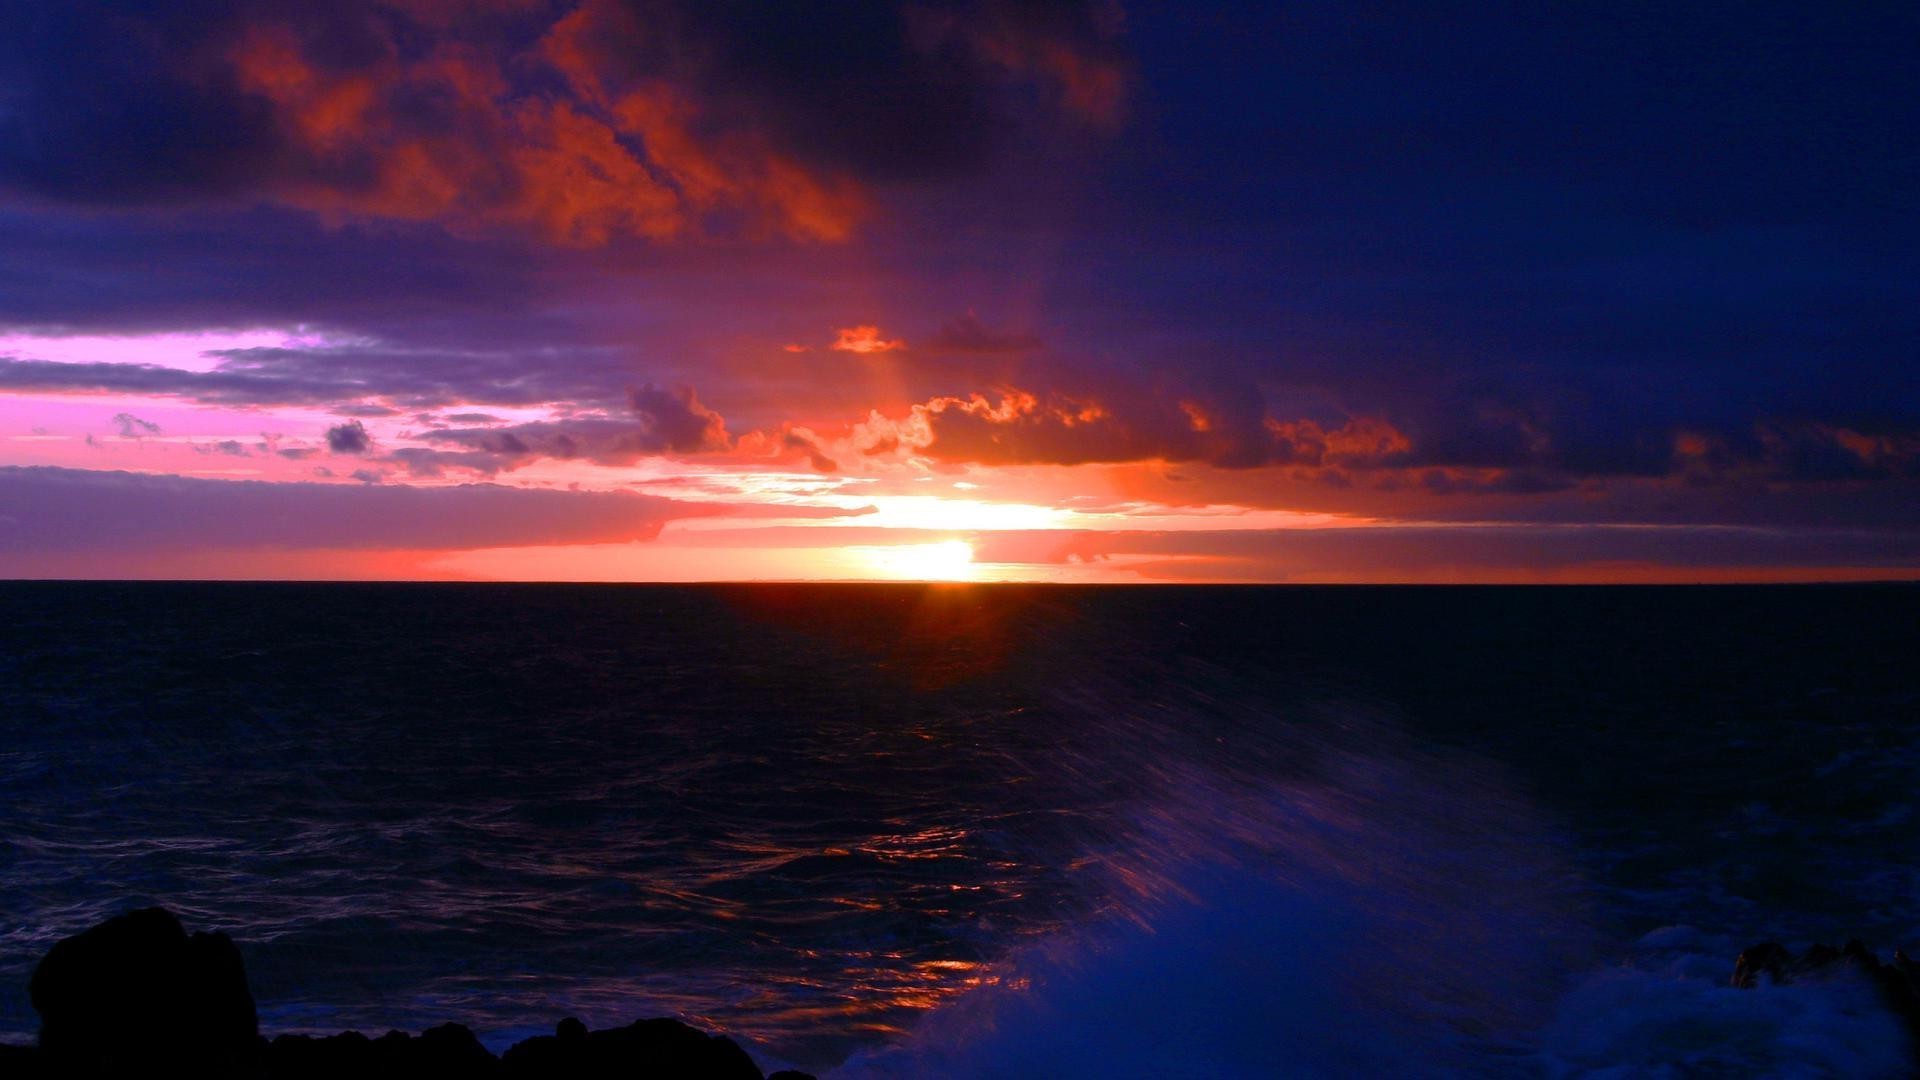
(947,560)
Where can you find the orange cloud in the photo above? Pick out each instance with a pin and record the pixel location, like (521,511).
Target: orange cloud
(449,137)
(1021,427)
(1360,441)
(864,339)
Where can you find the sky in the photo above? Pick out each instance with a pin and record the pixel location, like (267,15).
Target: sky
(959,289)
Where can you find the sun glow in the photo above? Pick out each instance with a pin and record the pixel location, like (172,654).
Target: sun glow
(936,512)
(948,560)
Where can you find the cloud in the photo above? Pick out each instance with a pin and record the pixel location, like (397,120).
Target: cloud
(1122,423)
(132,427)
(1053,414)
(603,440)
(1825,452)
(66,509)
(216,387)
(598,122)
(805,442)
(361,380)
(449,137)
(664,421)
(677,421)
(967,334)
(349,438)
(1492,482)
(52,510)
(864,339)
(881,89)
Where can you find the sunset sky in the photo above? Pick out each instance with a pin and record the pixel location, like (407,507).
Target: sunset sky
(985,290)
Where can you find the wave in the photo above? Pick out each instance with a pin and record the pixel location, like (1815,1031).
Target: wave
(1391,912)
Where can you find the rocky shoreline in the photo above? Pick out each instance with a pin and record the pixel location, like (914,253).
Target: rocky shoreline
(138,996)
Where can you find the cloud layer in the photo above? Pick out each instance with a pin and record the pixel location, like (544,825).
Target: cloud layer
(1555,269)
(578,124)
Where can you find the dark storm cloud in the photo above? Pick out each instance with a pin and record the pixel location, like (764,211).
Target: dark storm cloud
(349,438)
(579,124)
(887,90)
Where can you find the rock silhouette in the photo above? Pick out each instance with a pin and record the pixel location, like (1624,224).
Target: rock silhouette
(666,1047)
(137,996)
(1898,980)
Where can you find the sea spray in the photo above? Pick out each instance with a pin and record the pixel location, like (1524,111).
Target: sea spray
(1389,910)
(1386,912)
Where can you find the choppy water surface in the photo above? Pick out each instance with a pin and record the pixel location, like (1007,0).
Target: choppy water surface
(905,830)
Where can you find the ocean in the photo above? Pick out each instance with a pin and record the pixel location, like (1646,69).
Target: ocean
(948,830)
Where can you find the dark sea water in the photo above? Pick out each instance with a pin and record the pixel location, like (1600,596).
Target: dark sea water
(1010,830)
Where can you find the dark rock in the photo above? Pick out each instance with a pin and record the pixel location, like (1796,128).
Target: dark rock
(542,1055)
(451,1050)
(305,1057)
(662,1049)
(448,1050)
(20,1062)
(1767,958)
(136,996)
(1897,981)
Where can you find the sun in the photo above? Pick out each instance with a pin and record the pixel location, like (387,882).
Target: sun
(948,560)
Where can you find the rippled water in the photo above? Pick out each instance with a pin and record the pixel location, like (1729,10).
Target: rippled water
(906,830)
